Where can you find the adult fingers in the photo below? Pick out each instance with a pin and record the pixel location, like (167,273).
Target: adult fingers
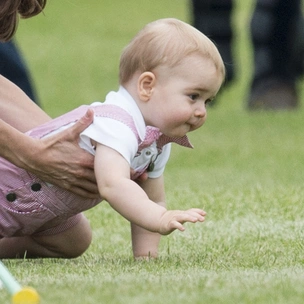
(85,120)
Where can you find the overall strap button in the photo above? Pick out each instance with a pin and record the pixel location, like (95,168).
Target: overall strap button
(11,196)
(36,187)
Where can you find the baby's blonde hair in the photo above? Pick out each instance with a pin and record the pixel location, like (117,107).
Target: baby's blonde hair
(165,42)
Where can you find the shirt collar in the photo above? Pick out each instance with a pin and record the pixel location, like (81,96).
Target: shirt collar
(141,126)
(131,106)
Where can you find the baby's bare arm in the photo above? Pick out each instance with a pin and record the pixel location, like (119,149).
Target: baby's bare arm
(131,201)
(144,242)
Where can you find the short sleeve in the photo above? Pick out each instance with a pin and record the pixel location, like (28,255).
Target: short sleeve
(113,134)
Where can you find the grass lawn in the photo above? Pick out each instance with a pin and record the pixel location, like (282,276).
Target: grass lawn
(246,171)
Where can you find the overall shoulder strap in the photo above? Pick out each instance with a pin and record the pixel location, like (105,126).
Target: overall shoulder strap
(103,110)
(117,113)
(58,122)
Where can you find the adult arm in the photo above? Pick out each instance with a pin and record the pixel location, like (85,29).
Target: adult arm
(50,158)
(17,109)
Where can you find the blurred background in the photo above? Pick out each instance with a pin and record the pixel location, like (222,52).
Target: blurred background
(73,49)
(246,170)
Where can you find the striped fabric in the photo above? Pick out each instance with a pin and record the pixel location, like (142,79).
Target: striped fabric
(27,203)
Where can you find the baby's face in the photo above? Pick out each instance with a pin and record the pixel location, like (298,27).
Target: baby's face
(180,95)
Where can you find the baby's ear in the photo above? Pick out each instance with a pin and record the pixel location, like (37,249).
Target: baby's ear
(146,82)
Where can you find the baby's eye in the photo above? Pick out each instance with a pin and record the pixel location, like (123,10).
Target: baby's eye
(194,96)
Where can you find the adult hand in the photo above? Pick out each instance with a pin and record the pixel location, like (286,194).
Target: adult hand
(59,160)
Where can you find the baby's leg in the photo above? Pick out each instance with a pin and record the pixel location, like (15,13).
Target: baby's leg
(68,244)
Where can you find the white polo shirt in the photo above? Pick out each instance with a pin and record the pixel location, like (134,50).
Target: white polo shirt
(121,138)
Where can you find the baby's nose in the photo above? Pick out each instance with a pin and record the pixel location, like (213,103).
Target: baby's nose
(200,111)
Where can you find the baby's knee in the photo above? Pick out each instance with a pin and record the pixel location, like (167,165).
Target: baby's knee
(69,244)
(76,240)
(77,244)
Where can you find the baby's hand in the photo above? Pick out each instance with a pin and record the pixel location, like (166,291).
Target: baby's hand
(174,219)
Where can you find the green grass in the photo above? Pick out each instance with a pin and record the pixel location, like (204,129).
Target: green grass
(246,171)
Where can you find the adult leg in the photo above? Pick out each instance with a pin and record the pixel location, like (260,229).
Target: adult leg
(276,29)
(68,244)
(213,18)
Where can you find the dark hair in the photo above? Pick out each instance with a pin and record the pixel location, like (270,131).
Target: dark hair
(10,11)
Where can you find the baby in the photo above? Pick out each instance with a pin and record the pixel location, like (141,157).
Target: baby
(168,73)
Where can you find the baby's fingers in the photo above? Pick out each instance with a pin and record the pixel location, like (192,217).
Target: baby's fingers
(176,225)
(195,215)
(186,216)
(198,211)
(191,217)
(175,219)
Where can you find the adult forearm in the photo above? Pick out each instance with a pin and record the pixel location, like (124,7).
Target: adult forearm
(50,158)
(17,115)
(16,108)
(13,144)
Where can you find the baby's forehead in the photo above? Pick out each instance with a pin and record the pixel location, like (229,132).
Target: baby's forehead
(193,60)
(195,68)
